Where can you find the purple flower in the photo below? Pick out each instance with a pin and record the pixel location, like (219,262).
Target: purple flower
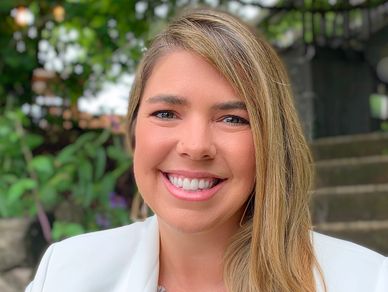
(102,221)
(117,201)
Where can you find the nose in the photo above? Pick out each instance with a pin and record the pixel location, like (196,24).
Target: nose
(196,142)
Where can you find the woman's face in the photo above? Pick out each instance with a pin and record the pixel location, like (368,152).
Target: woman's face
(194,157)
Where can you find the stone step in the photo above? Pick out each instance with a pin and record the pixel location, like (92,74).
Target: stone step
(350,203)
(371,234)
(352,171)
(350,146)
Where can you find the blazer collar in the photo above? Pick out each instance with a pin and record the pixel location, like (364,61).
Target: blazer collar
(143,271)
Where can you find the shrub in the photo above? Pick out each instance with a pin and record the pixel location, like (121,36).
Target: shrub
(77,176)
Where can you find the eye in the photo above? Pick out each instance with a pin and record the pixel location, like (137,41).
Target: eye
(234,120)
(164,115)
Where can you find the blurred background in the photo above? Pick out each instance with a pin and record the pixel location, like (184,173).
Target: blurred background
(66,69)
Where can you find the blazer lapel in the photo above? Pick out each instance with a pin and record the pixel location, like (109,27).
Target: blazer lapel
(143,270)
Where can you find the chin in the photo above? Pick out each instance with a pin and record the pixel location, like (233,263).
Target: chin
(189,222)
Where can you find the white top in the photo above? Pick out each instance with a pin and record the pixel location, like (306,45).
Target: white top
(127,259)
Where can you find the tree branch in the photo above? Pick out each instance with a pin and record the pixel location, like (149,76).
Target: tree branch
(302,8)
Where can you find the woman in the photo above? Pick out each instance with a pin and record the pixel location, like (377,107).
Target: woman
(219,156)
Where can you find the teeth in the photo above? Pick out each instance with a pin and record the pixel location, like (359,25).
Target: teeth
(191,184)
(186,184)
(194,184)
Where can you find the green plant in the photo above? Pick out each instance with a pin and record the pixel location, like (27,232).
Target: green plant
(92,189)
(20,173)
(33,185)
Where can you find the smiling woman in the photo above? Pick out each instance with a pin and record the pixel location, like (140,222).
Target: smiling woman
(190,131)
(220,157)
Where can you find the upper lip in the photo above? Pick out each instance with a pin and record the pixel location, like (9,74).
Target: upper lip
(193,174)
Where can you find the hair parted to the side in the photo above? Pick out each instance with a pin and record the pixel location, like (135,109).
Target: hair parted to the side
(272,252)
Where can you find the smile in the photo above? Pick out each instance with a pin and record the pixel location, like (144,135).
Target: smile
(193,187)
(192,184)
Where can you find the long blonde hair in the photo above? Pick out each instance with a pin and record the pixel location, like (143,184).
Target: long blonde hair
(272,252)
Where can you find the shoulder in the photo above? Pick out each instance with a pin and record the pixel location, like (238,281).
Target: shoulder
(347,266)
(95,261)
(125,236)
(331,247)
(119,242)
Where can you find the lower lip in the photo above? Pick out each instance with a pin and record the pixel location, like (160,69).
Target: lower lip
(194,196)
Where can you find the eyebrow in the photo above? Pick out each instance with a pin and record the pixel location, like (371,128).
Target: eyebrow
(169,99)
(179,100)
(230,105)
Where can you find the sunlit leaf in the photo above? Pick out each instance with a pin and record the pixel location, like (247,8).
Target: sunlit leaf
(100,163)
(67,154)
(62,230)
(19,188)
(43,165)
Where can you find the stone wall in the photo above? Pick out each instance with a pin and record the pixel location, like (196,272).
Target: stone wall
(299,69)
(332,88)
(14,270)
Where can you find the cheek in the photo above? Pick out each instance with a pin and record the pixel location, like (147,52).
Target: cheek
(145,158)
(144,145)
(152,146)
(241,153)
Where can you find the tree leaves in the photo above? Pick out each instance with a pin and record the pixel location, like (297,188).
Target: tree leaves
(43,166)
(19,188)
(66,229)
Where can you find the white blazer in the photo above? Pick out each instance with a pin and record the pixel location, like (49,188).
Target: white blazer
(126,259)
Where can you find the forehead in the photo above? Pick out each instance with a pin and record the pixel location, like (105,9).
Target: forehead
(186,73)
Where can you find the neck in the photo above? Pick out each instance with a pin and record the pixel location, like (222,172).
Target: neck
(193,261)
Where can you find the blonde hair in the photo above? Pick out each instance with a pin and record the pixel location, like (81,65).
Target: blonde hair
(272,252)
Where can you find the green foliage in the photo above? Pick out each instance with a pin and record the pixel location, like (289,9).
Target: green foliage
(107,37)
(384,127)
(65,229)
(76,175)
(14,181)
